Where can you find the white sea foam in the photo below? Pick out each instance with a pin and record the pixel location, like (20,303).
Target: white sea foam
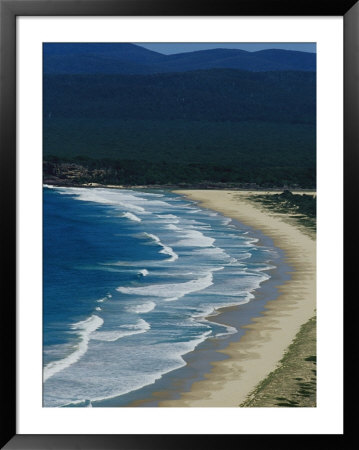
(168,220)
(229,330)
(101,391)
(131,216)
(105,196)
(84,329)
(141,308)
(194,238)
(103,299)
(170,291)
(141,326)
(200,226)
(215,269)
(165,248)
(262,268)
(244,255)
(246,241)
(171,299)
(211,311)
(143,272)
(150,194)
(193,211)
(212,253)
(172,227)
(98,308)
(167,216)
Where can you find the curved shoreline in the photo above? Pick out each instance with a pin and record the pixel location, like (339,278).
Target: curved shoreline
(267,338)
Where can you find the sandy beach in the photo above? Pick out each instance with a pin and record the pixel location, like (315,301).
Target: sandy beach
(266,339)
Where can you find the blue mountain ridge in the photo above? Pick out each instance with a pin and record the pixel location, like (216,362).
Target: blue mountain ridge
(126,58)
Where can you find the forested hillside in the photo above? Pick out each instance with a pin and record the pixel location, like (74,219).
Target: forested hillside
(214,125)
(216,95)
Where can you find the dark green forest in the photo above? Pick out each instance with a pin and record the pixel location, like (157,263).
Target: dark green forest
(215,95)
(220,125)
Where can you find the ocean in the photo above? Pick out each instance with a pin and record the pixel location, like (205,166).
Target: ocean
(130,278)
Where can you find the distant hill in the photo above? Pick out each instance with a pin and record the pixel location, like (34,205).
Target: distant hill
(128,52)
(260,61)
(120,58)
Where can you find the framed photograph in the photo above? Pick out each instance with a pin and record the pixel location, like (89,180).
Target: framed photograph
(173,178)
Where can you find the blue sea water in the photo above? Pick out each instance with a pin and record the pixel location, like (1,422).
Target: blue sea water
(129,279)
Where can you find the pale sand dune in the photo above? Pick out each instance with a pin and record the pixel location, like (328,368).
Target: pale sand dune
(266,339)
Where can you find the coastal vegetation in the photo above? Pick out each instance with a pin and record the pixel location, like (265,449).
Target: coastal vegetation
(300,207)
(293,383)
(80,170)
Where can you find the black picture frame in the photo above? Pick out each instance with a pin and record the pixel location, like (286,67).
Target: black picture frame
(9,10)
